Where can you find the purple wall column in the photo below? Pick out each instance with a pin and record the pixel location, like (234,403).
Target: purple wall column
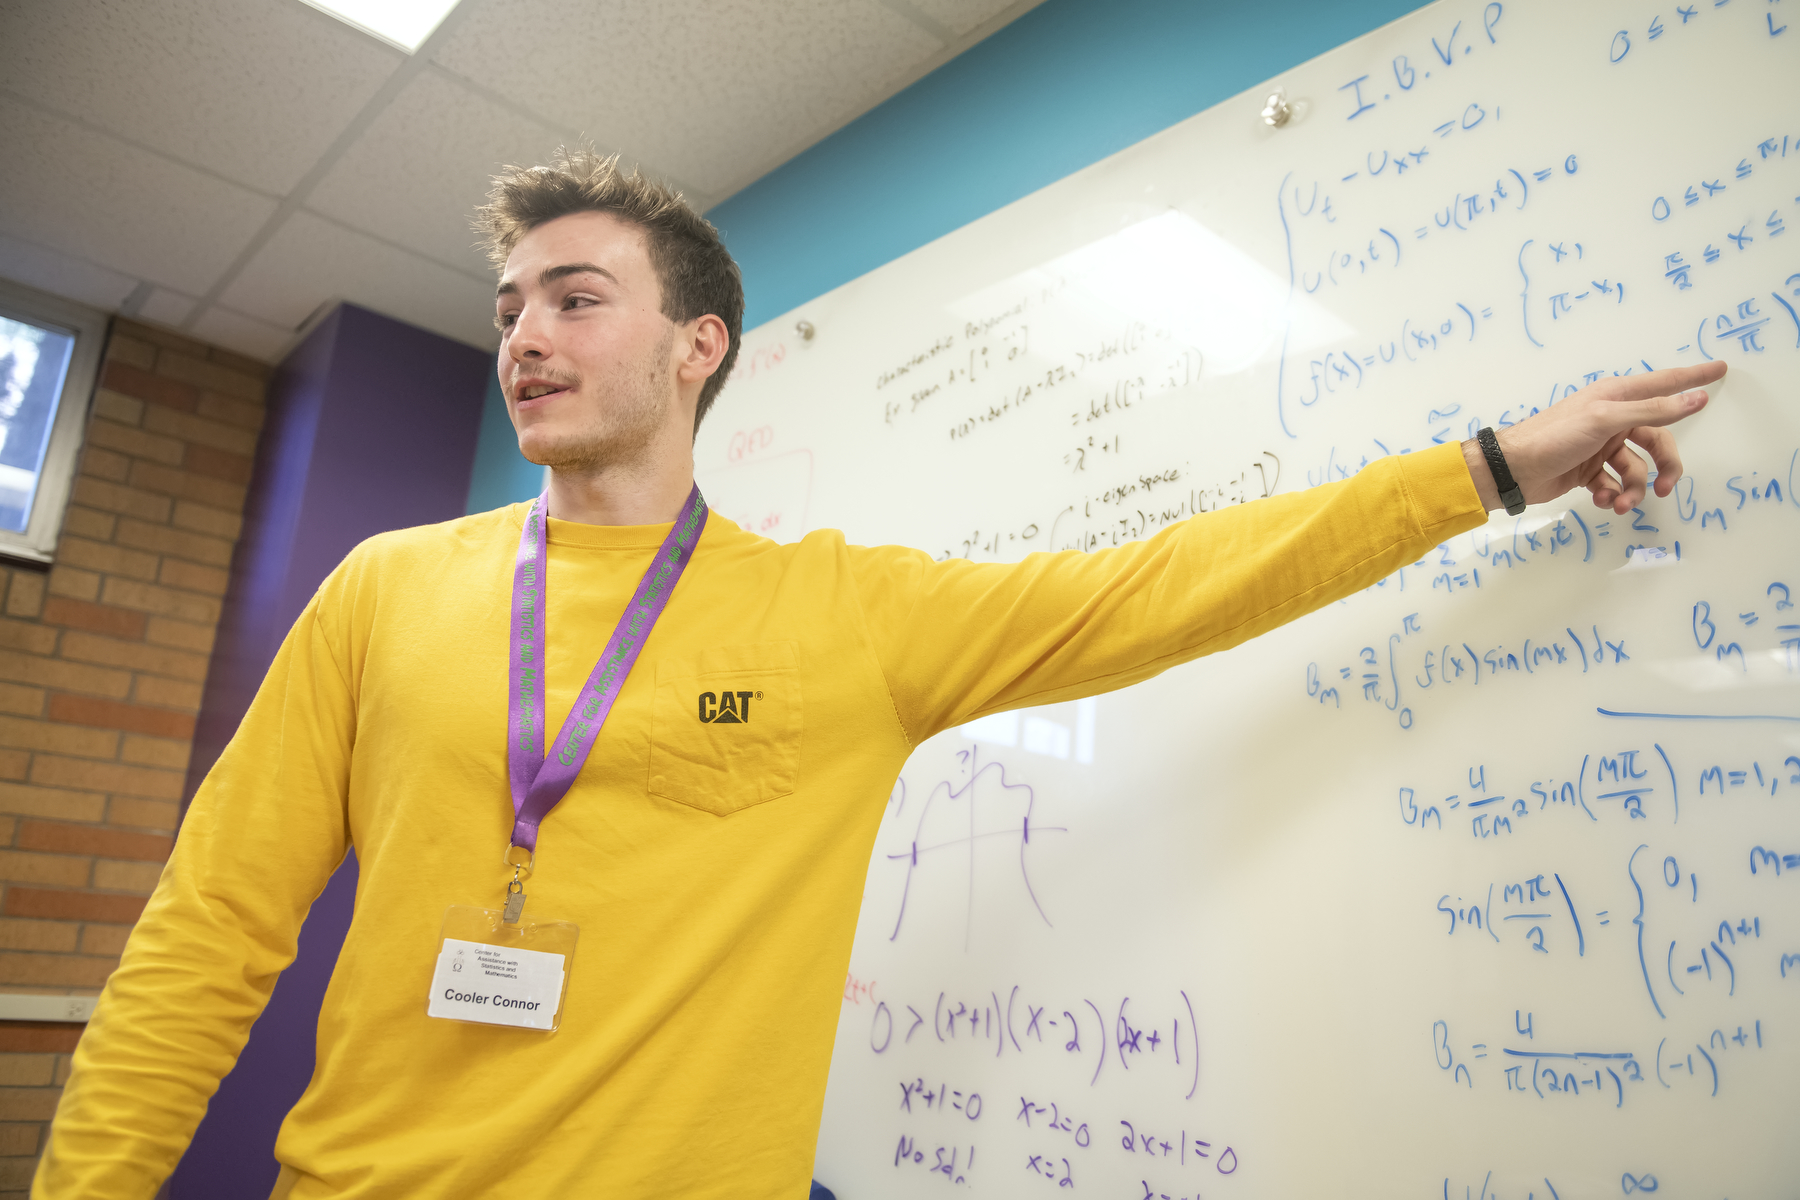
(372,426)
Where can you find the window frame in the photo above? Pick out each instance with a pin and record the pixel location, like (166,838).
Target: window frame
(68,432)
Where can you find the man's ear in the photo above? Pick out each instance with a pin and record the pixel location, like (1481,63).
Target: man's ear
(702,348)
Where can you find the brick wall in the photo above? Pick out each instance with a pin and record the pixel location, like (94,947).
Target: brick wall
(102,660)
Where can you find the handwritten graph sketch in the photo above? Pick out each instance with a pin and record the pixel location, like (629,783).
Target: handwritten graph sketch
(953,821)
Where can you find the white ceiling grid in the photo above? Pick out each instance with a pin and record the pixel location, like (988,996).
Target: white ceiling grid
(253,91)
(232,167)
(421,167)
(73,278)
(72,188)
(714,85)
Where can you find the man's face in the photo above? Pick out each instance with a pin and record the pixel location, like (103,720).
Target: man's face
(585,351)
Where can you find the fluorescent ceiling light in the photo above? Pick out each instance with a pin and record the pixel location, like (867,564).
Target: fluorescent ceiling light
(401,23)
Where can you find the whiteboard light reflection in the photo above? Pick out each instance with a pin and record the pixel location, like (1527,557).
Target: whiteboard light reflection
(1172,272)
(1703,673)
(1647,558)
(1037,734)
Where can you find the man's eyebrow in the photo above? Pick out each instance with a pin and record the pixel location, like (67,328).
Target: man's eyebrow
(551,274)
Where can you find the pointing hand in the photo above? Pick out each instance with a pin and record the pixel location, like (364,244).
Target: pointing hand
(1569,444)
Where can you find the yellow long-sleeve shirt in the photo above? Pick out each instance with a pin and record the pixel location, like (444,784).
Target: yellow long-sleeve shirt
(715,870)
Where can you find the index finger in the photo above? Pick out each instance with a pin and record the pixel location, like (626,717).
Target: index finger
(1669,381)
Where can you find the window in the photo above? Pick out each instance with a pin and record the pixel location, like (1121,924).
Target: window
(49,352)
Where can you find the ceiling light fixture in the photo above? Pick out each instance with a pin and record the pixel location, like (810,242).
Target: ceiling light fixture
(400,23)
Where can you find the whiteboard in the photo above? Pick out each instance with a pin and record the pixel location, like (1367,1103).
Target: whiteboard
(1484,882)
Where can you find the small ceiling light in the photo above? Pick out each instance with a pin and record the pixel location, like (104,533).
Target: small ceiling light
(400,23)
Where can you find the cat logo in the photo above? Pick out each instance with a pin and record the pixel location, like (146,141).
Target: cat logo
(726,708)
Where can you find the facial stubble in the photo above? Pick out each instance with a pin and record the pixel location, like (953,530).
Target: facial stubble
(622,422)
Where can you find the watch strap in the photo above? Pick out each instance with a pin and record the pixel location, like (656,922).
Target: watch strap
(1511,495)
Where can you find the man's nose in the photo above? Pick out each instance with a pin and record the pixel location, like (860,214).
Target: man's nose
(530,337)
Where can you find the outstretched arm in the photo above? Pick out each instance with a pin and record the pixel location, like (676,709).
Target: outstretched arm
(1571,444)
(958,639)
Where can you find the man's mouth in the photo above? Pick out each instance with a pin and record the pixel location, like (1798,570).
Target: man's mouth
(539,390)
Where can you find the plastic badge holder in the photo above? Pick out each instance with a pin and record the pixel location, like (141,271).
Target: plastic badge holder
(492,973)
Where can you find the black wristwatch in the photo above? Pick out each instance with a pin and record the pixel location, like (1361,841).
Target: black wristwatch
(1511,494)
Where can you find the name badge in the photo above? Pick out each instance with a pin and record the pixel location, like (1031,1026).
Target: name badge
(493,973)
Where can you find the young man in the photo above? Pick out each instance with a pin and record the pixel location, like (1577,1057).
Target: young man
(714,867)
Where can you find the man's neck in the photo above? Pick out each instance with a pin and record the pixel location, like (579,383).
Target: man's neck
(647,495)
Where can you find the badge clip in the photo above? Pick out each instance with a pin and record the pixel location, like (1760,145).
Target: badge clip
(515,900)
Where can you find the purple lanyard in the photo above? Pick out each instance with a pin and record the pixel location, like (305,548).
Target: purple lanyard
(539,783)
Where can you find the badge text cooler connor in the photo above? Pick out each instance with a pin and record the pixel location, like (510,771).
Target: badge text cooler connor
(498,1000)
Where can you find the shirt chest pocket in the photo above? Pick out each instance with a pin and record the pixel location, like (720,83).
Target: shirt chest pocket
(726,727)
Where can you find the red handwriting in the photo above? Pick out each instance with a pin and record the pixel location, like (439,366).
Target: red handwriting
(856,991)
(746,442)
(763,359)
(765,525)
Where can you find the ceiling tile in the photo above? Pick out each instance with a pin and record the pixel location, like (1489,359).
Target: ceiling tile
(138,213)
(58,273)
(166,308)
(311,261)
(962,15)
(234,331)
(750,85)
(415,176)
(253,89)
